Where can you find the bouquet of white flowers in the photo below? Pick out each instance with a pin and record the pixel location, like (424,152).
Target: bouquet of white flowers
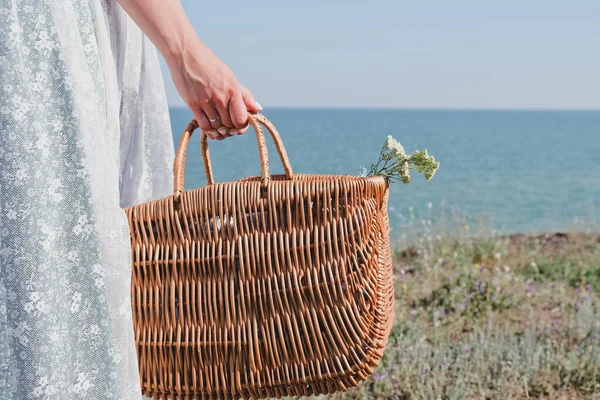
(395,163)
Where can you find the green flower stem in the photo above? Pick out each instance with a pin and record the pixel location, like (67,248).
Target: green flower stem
(397,164)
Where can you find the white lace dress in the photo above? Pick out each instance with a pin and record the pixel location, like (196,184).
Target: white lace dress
(84,131)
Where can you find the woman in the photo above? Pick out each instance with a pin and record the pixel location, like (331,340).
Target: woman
(84,131)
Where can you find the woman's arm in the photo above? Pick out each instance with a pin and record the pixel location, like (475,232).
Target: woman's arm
(206,84)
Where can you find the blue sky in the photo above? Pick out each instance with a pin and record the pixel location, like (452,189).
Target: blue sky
(395,53)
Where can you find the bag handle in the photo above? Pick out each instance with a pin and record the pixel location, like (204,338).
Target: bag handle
(255,120)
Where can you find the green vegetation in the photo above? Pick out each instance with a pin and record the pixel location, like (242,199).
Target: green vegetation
(482,315)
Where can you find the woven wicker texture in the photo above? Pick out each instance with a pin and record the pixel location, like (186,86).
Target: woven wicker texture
(264,287)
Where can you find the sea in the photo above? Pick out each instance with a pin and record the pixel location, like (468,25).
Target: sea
(518,171)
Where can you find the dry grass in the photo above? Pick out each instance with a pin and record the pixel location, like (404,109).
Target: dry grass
(482,315)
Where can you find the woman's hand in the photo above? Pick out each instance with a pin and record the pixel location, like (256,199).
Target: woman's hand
(208,87)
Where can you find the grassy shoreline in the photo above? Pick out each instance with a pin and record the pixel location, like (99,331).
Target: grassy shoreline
(494,317)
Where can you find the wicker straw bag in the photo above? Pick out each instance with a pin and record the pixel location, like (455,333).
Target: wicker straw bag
(268,286)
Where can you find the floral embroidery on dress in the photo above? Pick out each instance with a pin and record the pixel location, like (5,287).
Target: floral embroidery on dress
(84,131)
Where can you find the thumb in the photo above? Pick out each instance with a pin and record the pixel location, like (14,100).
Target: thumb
(250,101)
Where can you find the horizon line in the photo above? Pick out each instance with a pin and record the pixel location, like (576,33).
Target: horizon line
(370,108)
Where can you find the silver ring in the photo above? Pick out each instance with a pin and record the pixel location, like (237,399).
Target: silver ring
(214,119)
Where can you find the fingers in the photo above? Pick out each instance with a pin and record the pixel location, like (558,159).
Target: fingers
(237,111)
(223,109)
(213,115)
(221,118)
(204,124)
(250,101)
(217,129)
(223,131)
(243,130)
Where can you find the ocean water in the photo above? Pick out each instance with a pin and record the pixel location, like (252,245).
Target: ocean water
(520,171)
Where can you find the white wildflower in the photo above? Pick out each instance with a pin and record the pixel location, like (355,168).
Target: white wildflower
(424,163)
(395,146)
